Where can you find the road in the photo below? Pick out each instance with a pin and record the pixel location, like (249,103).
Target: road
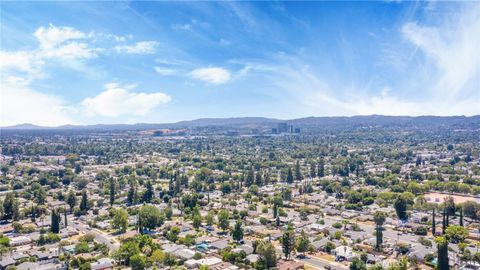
(319,263)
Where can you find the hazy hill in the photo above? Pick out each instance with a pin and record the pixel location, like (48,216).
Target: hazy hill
(472,122)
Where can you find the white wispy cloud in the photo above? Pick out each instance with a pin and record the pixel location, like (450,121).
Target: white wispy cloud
(185,27)
(452,49)
(21,102)
(142,47)
(63,43)
(117,100)
(211,75)
(60,44)
(19,60)
(442,78)
(164,71)
(53,36)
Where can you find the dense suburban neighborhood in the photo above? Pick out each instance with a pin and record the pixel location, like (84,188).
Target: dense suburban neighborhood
(249,198)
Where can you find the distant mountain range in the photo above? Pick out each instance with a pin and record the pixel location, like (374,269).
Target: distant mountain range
(261,122)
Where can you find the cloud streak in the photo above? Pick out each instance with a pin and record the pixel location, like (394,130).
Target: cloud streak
(211,75)
(142,47)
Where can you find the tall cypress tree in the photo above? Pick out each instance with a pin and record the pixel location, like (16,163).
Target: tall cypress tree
(178,184)
(112,191)
(461,217)
(313,173)
(84,201)
(131,194)
(237,231)
(148,194)
(379,218)
(266,179)
(321,168)
(444,222)
(55,222)
(289,176)
(139,224)
(33,213)
(71,200)
(258,179)
(242,179)
(298,171)
(442,249)
(250,178)
(65,216)
(288,242)
(433,222)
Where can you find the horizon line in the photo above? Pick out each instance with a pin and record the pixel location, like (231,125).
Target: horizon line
(223,118)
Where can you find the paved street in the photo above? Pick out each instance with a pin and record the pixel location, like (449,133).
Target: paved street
(321,263)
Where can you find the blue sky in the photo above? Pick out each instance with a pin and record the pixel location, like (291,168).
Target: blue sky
(132,62)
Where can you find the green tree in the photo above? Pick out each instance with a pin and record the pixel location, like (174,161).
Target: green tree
(39,194)
(223,217)
(120,220)
(112,191)
(226,188)
(82,247)
(267,256)
(456,234)
(287,194)
(178,183)
(313,172)
(461,216)
(289,175)
(148,194)
(209,218)
(379,218)
(33,213)
(277,202)
(55,221)
(288,242)
(168,213)
(357,264)
(444,220)
(237,231)
(321,168)
(10,207)
(266,179)
(132,194)
(400,206)
(126,251)
(450,209)
(197,221)
(302,242)
(84,202)
(71,200)
(4,170)
(150,217)
(298,171)
(442,258)
(250,177)
(138,262)
(259,179)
